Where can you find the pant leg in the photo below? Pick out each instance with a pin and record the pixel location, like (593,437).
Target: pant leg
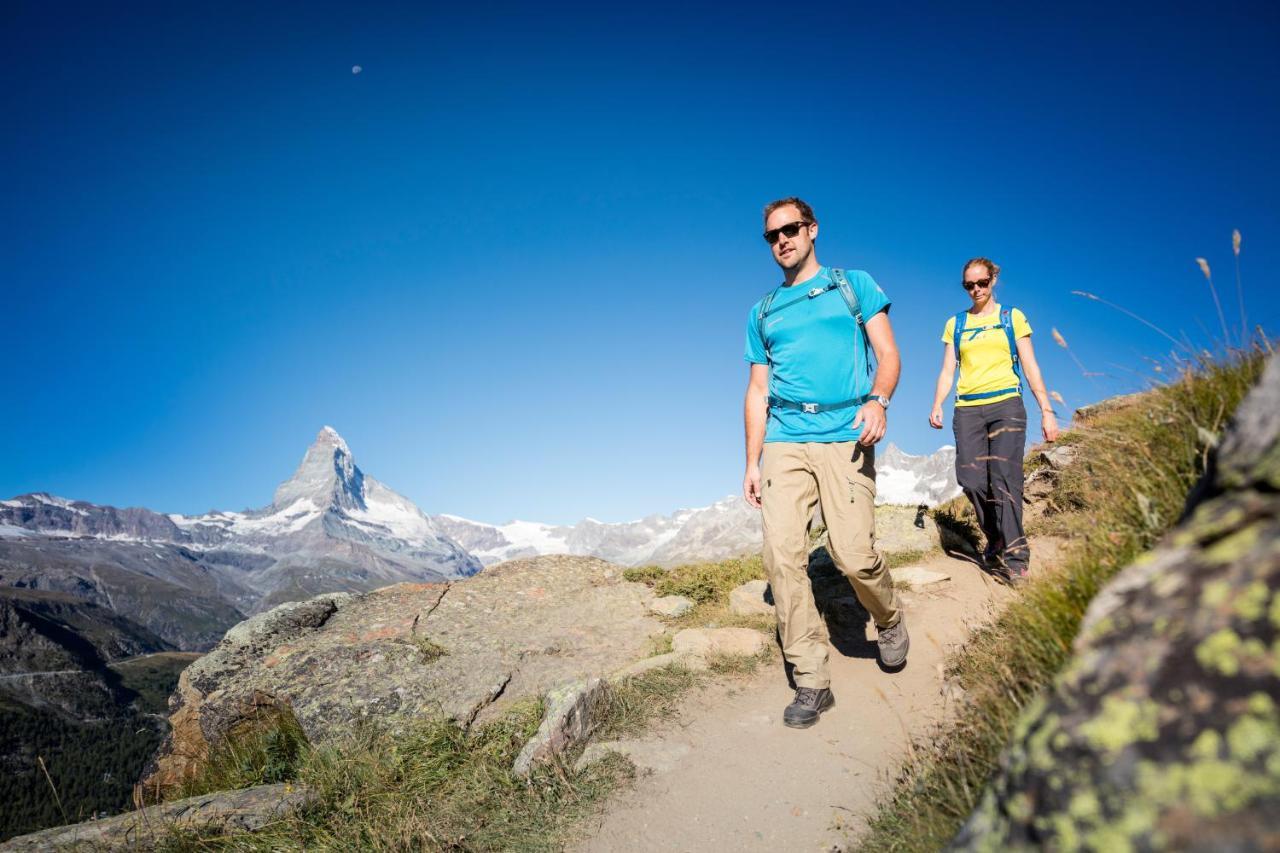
(789,494)
(972,451)
(846,474)
(1007,428)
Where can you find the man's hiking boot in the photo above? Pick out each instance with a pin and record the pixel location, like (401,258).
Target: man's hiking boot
(808,705)
(894,643)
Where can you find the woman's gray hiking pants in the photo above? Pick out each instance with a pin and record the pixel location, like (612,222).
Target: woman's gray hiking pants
(990,443)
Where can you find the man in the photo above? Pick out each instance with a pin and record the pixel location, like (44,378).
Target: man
(813,415)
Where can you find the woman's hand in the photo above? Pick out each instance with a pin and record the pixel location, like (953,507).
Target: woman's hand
(1049,425)
(935,417)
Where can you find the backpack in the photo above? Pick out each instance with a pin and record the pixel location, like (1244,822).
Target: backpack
(1006,323)
(839,281)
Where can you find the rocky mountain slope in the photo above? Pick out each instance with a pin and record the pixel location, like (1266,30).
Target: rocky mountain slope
(188,578)
(726,528)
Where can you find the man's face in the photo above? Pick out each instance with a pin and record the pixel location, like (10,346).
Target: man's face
(790,252)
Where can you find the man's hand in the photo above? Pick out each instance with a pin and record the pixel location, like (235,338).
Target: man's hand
(871,419)
(1049,426)
(935,417)
(751,486)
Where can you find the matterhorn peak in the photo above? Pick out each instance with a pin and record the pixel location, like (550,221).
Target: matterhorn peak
(328,476)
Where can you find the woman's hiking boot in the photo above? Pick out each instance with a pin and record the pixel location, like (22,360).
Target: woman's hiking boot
(808,705)
(893,643)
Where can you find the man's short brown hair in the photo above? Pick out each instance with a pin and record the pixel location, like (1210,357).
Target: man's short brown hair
(806,212)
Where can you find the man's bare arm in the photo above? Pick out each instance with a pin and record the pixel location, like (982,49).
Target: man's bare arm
(755,414)
(871,416)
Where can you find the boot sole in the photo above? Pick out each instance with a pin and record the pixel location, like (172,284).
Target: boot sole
(801,724)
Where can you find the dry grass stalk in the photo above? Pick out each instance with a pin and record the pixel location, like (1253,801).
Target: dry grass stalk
(1208,276)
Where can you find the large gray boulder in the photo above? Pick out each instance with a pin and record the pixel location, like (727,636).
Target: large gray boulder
(463,650)
(1164,731)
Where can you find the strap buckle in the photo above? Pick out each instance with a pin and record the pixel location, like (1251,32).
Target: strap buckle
(809,408)
(817,291)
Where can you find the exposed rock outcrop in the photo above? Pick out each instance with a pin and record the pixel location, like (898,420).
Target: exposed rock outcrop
(245,810)
(1164,731)
(408,651)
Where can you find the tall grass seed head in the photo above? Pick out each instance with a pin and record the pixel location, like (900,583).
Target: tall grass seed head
(1059,339)
(1235,241)
(1204,267)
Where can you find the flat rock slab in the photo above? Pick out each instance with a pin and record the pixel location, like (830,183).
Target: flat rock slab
(706,642)
(464,650)
(918,577)
(246,810)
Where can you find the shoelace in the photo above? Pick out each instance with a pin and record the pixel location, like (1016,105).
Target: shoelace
(808,696)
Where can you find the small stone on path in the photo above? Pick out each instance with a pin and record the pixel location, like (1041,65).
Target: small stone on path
(749,600)
(918,578)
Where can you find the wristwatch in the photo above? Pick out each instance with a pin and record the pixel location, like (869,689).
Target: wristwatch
(882,400)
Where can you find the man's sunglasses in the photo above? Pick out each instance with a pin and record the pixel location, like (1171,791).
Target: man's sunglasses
(982,282)
(791,229)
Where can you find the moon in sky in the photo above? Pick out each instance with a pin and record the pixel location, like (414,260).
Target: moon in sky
(356,69)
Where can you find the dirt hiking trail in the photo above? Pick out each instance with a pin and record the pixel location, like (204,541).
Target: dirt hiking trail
(726,774)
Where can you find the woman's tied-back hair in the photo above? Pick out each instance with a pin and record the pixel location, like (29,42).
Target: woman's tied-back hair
(993,269)
(806,212)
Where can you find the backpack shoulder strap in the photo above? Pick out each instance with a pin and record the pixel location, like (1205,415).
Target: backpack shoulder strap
(1006,320)
(764,312)
(957,329)
(855,308)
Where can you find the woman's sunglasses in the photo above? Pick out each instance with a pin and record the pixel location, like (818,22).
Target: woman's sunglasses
(982,282)
(791,229)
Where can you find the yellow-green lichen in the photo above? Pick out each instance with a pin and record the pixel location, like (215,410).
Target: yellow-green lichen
(1121,722)
(1215,593)
(1251,603)
(1248,737)
(1274,613)
(1233,547)
(1220,651)
(1206,746)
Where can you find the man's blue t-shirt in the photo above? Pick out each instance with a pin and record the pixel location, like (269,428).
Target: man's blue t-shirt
(817,356)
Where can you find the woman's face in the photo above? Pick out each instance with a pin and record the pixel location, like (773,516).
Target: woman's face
(979,283)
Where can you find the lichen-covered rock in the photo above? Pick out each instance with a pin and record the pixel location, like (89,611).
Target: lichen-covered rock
(462,650)
(245,810)
(1164,731)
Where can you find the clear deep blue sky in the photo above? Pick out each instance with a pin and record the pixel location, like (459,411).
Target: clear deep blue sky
(511,260)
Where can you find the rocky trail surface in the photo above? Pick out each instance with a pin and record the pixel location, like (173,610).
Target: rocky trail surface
(727,775)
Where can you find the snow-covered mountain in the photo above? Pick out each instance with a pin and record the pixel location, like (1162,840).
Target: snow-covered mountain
(725,528)
(914,480)
(329,528)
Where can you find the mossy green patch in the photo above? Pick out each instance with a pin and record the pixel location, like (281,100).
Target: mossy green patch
(1215,593)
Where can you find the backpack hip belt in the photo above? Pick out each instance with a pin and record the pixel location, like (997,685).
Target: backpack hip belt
(816,408)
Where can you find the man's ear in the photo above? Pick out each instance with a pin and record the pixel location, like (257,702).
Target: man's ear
(813,232)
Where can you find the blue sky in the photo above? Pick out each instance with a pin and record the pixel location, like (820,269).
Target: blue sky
(510,261)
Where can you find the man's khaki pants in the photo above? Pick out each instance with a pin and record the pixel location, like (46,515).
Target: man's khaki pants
(795,477)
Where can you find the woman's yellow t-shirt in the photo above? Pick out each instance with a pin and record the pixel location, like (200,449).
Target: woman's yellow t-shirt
(985,361)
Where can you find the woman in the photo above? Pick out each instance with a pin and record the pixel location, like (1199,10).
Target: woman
(991,344)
